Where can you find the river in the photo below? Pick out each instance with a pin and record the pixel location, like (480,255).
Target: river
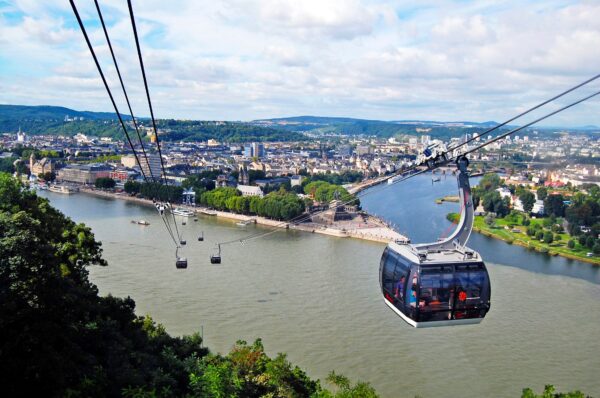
(317,298)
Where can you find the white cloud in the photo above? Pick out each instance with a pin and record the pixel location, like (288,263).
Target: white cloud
(239,59)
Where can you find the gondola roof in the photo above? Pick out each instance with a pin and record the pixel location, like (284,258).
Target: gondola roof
(435,257)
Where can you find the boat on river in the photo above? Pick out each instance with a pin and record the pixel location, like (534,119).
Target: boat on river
(140,222)
(183,212)
(64,189)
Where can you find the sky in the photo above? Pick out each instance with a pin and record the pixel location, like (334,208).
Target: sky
(245,59)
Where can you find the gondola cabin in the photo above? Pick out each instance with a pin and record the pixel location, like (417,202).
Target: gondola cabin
(181,263)
(216,258)
(441,283)
(434,288)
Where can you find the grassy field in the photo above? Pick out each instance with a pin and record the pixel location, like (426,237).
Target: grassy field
(503,229)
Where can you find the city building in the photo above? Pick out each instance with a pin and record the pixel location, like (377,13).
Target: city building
(250,190)
(296,180)
(83,173)
(40,167)
(128,161)
(122,175)
(258,150)
(152,167)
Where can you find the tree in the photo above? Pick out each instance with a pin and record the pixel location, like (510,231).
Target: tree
(527,199)
(589,242)
(132,187)
(548,237)
(47,176)
(489,220)
(542,193)
(490,182)
(571,244)
(105,183)
(539,235)
(554,205)
(550,392)
(596,248)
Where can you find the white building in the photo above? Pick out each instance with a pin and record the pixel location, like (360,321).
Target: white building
(538,207)
(21,136)
(250,190)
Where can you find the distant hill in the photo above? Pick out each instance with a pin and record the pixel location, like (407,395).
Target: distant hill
(325,120)
(46,112)
(57,120)
(321,125)
(52,120)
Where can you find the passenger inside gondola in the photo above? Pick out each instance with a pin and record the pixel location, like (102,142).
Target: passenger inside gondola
(399,291)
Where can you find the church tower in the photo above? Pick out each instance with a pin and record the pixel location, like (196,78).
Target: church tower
(243,177)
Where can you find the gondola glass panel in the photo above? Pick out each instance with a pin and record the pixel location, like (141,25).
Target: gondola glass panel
(436,292)
(394,278)
(472,291)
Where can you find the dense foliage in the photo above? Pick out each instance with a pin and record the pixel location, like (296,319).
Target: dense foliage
(491,200)
(189,130)
(105,183)
(59,338)
(347,177)
(550,392)
(154,191)
(325,192)
(279,205)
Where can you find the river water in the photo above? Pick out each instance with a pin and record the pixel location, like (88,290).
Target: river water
(317,298)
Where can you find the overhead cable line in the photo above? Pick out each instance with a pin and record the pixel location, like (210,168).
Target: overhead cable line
(139,52)
(501,136)
(112,100)
(90,47)
(137,130)
(527,111)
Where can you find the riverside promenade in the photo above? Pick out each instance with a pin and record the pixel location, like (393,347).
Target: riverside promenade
(367,227)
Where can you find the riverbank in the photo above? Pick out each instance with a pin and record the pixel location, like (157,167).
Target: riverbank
(447,198)
(517,236)
(369,228)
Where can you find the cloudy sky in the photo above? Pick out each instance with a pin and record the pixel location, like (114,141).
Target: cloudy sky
(246,59)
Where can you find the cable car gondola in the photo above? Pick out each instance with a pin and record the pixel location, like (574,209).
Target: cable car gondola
(438,284)
(216,258)
(181,263)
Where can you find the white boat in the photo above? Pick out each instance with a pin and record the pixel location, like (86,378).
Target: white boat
(62,189)
(244,223)
(140,222)
(183,212)
(394,179)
